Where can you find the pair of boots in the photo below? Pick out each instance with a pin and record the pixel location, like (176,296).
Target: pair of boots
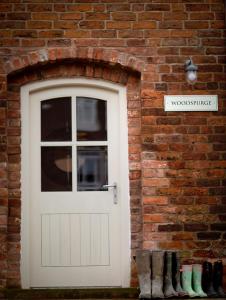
(212,279)
(152,282)
(192,280)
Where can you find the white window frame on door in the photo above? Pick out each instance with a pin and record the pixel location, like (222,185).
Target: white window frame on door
(26,90)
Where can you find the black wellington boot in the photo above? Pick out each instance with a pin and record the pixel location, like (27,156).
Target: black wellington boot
(207,279)
(218,278)
(176,276)
(168,285)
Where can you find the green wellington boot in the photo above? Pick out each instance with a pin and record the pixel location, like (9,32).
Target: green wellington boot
(187,281)
(143,263)
(197,280)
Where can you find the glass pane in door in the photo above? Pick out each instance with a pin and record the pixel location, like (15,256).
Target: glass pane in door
(56,119)
(91,116)
(56,168)
(92,168)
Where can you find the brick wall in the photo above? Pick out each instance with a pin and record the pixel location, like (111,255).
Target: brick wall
(177,160)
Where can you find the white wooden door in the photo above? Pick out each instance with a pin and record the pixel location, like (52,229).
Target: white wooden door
(75,224)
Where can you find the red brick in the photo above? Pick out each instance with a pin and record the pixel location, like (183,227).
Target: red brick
(79,7)
(183,236)
(118,7)
(65,24)
(91,25)
(130,34)
(155,200)
(103,33)
(5,7)
(157,7)
(217,24)
(51,33)
(201,16)
(77,34)
(97,16)
(176,16)
(71,16)
(39,24)
(32,43)
(198,7)
(44,16)
(174,245)
(144,25)
(12,24)
(171,25)
(118,25)
(39,7)
(123,16)
(154,16)
(25,33)
(196,24)
(18,16)
(154,218)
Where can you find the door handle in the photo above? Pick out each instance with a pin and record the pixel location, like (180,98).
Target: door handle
(114,186)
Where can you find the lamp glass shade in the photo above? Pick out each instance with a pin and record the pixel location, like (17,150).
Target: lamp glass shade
(191,76)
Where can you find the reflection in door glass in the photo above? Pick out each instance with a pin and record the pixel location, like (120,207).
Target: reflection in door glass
(56,119)
(91,119)
(56,173)
(92,169)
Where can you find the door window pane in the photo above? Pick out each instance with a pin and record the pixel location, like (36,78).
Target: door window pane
(91,119)
(56,172)
(56,119)
(92,169)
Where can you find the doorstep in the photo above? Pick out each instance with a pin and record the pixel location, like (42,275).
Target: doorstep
(88,293)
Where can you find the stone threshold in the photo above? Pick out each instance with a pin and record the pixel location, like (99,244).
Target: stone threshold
(85,293)
(80,293)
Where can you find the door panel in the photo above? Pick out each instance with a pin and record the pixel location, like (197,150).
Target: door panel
(75,226)
(75,240)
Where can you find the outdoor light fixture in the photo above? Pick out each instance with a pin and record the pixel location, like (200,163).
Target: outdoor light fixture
(191,71)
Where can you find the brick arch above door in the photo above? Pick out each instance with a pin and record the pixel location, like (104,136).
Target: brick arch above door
(96,55)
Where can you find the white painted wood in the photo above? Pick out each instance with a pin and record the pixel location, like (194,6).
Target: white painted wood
(73,238)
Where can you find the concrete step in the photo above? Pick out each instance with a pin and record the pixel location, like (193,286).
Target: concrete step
(88,293)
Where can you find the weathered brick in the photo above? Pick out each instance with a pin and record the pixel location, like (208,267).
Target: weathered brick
(218,226)
(19,16)
(91,25)
(12,24)
(157,7)
(44,16)
(170,227)
(39,24)
(198,7)
(196,24)
(145,25)
(208,235)
(39,7)
(123,16)
(176,161)
(195,227)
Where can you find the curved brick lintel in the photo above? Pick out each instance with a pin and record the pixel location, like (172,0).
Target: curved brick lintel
(99,55)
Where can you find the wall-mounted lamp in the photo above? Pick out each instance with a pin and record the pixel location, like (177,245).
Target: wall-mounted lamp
(191,71)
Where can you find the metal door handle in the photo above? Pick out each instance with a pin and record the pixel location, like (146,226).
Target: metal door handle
(114,186)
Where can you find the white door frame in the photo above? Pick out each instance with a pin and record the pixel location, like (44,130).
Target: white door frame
(26,90)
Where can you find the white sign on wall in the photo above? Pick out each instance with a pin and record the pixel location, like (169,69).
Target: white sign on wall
(191,103)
